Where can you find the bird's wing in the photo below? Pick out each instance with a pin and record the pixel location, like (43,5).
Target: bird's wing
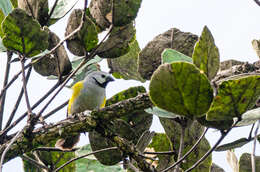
(75,93)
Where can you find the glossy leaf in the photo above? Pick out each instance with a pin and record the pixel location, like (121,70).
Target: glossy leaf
(62,8)
(245,163)
(6,6)
(181,88)
(161,112)
(235,144)
(171,55)
(234,98)
(23,34)
(125,67)
(206,55)
(249,117)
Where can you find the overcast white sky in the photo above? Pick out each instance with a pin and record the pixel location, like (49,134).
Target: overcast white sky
(233,23)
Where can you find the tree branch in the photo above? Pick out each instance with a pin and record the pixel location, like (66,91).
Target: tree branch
(257,2)
(85,123)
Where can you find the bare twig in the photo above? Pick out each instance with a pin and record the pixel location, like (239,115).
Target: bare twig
(257,2)
(250,133)
(53,149)
(223,135)
(74,159)
(29,109)
(12,80)
(8,147)
(34,162)
(172,37)
(188,153)
(254,148)
(2,99)
(30,8)
(181,146)
(33,107)
(55,110)
(161,153)
(18,100)
(52,10)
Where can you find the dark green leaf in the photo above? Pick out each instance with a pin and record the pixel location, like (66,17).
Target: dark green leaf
(215,168)
(220,125)
(181,88)
(125,66)
(6,6)
(23,34)
(86,39)
(206,55)
(125,11)
(234,98)
(249,117)
(235,144)
(117,44)
(161,112)
(171,55)
(245,163)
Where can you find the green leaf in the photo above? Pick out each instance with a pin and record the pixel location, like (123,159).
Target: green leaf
(90,66)
(126,94)
(235,144)
(125,11)
(215,168)
(171,55)
(220,125)
(89,163)
(125,66)
(62,8)
(86,39)
(245,163)
(193,131)
(6,6)
(23,34)
(161,112)
(117,44)
(249,117)
(14,3)
(2,47)
(206,55)
(234,98)
(181,88)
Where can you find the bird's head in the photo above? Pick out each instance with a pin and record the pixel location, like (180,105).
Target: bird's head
(100,78)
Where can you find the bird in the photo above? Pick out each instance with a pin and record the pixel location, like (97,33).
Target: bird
(88,94)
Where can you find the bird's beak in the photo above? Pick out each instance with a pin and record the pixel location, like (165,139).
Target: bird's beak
(109,79)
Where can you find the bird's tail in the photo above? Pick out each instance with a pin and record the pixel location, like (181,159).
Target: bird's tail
(67,143)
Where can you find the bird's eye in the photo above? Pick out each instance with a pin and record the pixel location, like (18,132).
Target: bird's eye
(103,76)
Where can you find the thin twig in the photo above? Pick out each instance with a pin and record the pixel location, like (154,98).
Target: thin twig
(74,159)
(172,37)
(52,10)
(181,146)
(33,107)
(30,8)
(12,80)
(34,162)
(8,147)
(18,100)
(188,153)
(29,109)
(257,2)
(223,135)
(2,99)
(254,148)
(161,153)
(250,133)
(53,149)
(56,110)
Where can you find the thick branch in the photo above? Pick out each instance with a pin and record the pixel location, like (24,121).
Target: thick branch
(85,123)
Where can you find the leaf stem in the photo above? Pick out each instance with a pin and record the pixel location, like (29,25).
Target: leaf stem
(181,146)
